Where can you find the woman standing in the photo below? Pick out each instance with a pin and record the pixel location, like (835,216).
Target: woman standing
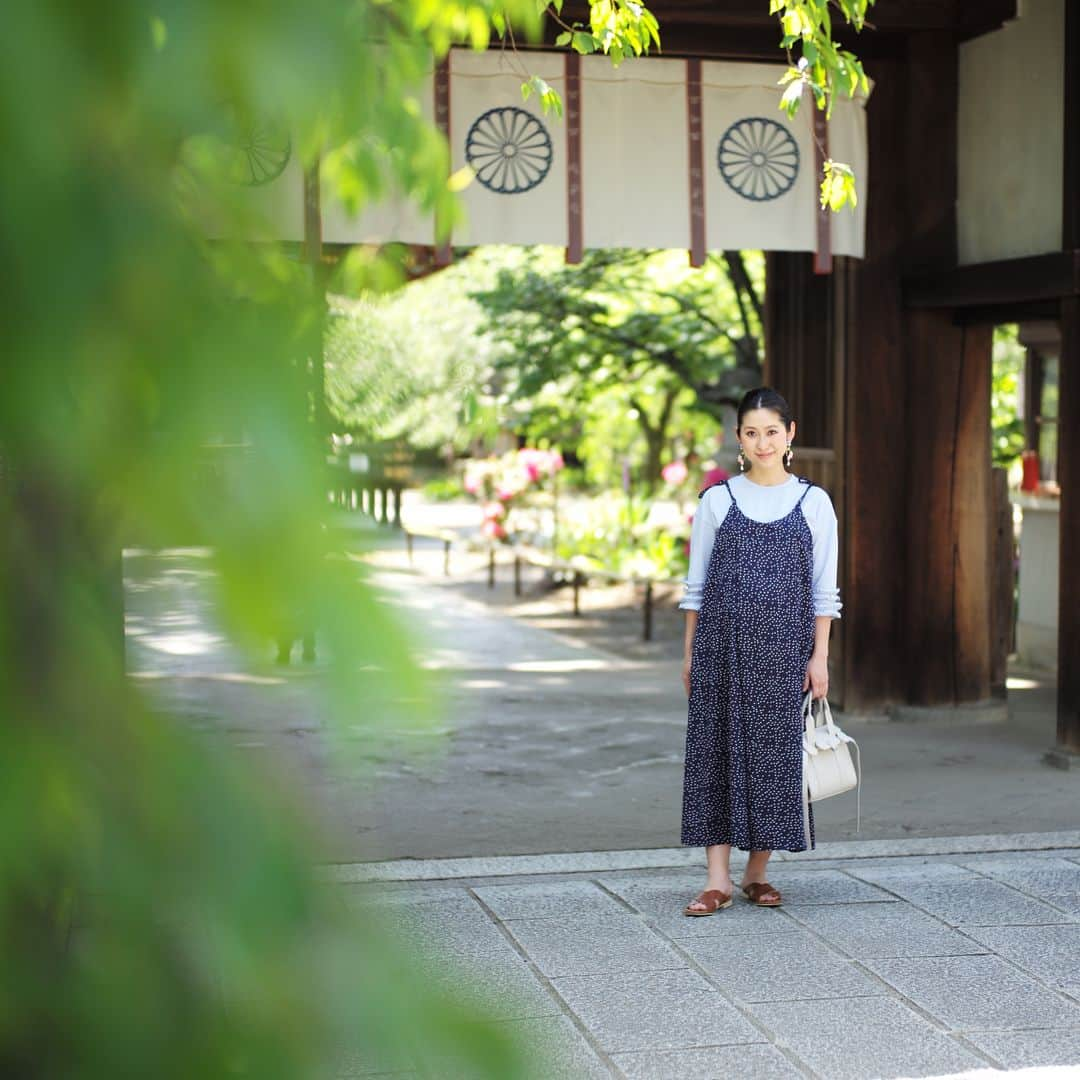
(760,599)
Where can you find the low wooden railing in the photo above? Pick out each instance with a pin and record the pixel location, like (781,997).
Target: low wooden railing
(574,574)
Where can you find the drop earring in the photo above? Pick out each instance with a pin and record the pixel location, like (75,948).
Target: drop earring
(742,460)
(788,454)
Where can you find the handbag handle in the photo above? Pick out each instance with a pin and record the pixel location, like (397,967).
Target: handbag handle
(826,712)
(810,744)
(809,723)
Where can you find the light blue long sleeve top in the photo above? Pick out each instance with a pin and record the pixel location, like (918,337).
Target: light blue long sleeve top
(763,503)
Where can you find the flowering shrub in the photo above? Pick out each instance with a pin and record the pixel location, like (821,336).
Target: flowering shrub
(502,482)
(619,537)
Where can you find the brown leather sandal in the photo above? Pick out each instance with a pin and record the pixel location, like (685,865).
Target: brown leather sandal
(756,892)
(713,899)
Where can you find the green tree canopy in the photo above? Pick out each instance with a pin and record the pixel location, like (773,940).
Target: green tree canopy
(643,323)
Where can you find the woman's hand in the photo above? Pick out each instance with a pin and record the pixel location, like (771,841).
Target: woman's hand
(686,675)
(817,676)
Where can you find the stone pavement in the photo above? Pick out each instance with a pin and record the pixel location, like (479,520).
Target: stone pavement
(911,958)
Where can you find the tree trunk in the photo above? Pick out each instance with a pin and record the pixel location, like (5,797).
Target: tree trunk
(656,436)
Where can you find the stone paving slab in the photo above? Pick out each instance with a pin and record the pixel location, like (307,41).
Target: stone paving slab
(978,903)
(972,992)
(756,1061)
(828,887)
(658,1010)
(884,930)
(1051,953)
(1043,1048)
(497,989)
(593,945)
(864,1038)
(1068,902)
(782,967)
(904,872)
(1032,875)
(553,1047)
(540,900)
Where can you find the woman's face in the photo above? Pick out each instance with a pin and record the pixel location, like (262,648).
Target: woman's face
(764,437)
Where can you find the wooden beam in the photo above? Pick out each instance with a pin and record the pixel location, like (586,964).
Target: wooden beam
(977,17)
(1023,311)
(1034,277)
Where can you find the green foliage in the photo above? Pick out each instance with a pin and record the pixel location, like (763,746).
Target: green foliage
(413,365)
(1006,418)
(443,489)
(624,335)
(620,28)
(159,912)
(838,186)
(825,69)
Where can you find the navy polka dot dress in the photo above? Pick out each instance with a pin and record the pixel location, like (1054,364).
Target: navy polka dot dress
(755,633)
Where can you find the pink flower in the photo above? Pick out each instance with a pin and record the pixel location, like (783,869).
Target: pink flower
(537,463)
(714,476)
(493,529)
(493,511)
(675,473)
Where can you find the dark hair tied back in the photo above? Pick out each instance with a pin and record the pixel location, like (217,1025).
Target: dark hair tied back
(764,397)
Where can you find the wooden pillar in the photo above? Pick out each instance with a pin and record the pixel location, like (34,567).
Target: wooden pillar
(948,578)
(798,337)
(1067,751)
(949,512)
(804,360)
(1068,717)
(872,544)
(949,537)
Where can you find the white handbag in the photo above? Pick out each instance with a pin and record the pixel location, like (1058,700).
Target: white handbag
(828,768)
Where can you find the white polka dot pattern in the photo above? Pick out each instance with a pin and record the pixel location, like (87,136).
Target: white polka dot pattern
(755,633)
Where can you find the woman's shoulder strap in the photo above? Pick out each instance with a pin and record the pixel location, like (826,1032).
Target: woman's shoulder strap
(809,484)
(709,487)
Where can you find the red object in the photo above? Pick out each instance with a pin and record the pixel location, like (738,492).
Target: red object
(714,476)
(1030,460)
